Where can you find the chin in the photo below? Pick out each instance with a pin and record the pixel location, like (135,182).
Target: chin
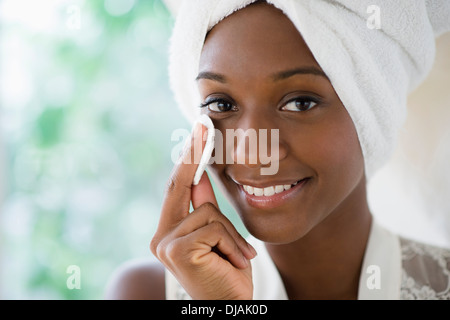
(279,226)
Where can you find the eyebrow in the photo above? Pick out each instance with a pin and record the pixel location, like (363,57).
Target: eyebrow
(303,70)
(282,75)
(211,76)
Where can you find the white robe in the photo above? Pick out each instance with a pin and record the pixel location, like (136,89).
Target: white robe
(393,268)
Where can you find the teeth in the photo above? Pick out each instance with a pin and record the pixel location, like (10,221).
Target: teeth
(268,191)
(258,191)
(279,189)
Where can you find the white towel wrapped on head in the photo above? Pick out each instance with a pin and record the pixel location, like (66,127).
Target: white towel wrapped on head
(371,69)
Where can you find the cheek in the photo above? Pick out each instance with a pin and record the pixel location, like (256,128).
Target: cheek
(336,152)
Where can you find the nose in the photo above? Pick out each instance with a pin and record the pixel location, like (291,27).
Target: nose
(256,143)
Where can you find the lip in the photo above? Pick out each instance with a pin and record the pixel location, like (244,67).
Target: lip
(276,200)
(265,184)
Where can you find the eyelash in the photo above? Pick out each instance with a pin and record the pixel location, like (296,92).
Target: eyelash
(225,101)
(303,99)
(216,100)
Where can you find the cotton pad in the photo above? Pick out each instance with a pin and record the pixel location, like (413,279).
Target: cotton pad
(207,151)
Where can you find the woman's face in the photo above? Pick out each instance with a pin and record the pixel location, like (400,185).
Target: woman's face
(256,72)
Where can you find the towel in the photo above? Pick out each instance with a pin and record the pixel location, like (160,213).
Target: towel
(373,62)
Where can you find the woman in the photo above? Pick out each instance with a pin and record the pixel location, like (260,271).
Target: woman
(271,66)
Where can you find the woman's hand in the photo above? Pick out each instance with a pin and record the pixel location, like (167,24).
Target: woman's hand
(202,249)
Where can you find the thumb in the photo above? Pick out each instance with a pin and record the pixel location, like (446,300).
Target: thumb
(203,192)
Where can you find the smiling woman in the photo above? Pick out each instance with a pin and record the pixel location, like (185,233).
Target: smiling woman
(291,66)
(269,75)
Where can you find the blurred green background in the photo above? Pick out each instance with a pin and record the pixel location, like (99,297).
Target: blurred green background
(86,123)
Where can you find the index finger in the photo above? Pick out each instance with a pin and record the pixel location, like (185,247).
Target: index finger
(179,186)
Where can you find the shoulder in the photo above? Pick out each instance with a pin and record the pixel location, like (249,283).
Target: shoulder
(426,270)
(139,279)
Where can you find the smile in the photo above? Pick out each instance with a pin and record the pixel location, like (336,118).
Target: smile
(271,196)
(268,191)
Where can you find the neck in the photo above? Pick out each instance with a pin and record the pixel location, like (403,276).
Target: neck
(326,263)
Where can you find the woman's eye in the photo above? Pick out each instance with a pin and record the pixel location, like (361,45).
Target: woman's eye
(299,104)
(218,105)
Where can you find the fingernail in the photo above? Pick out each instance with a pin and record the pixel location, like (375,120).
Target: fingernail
(252,250)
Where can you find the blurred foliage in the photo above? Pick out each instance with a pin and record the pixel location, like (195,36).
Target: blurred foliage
(86,123)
